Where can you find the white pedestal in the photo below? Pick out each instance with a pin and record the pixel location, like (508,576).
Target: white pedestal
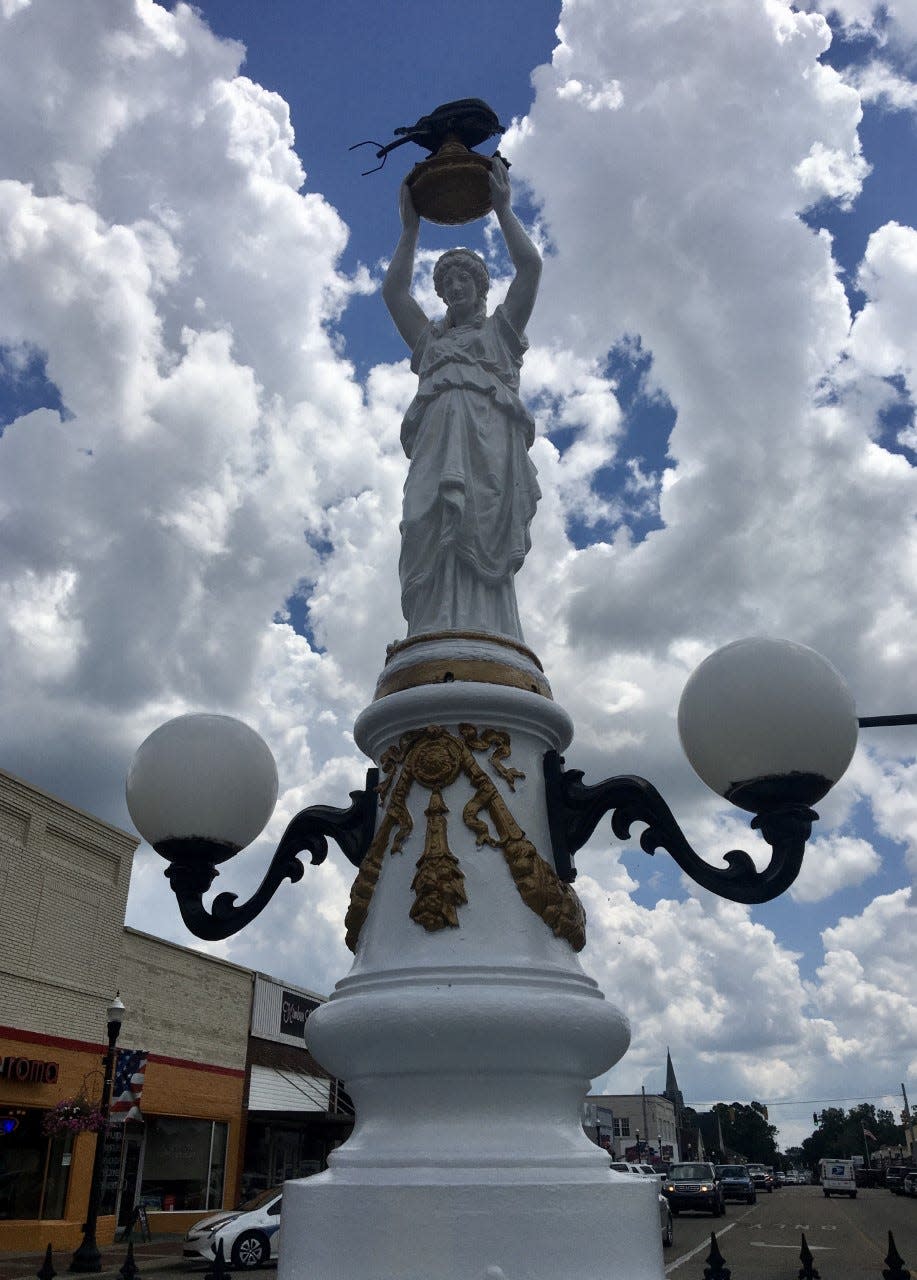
(467,1051)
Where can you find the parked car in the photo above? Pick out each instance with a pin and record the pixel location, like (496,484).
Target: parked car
(694,1186)
(761,1177)
(895,1175)
(737,1183)
(666,1224)
(909,1185)
(249,1235)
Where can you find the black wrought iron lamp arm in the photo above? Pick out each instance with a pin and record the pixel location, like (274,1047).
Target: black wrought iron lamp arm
(193,862)
(575,810)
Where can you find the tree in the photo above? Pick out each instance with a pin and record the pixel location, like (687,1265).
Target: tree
(840,1133)
(747,1132)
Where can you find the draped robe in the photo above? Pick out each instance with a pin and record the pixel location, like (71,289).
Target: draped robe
(471,489)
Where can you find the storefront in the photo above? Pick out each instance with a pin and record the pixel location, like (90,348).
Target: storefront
(214,1038)
(177,1165)
(43,1178)
(182,1161)
(296,1114)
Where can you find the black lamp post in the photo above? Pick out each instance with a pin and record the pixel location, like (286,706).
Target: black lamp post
(87,1256)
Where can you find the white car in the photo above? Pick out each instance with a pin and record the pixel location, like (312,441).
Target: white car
(249,1235)
(666,1222)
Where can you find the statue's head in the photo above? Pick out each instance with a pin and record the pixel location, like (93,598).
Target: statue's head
(469,261)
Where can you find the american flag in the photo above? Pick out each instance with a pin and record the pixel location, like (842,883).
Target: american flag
(128,1085)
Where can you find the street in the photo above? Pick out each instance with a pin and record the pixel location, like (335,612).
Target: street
(848,1238)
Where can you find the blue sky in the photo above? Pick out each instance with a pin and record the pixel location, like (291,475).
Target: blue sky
(200,474)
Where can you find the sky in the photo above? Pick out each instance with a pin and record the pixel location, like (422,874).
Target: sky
(200,468)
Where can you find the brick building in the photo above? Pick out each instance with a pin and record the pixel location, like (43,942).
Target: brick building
(214,1034)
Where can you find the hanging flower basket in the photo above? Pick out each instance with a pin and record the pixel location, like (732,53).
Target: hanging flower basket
(72,1115)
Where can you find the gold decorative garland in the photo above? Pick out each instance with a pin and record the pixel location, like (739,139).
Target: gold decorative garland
(434,758)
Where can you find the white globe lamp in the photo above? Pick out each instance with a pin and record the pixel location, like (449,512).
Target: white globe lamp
(768,723)
(202,779)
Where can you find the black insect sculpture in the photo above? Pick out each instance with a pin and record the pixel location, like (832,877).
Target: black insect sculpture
(469,120)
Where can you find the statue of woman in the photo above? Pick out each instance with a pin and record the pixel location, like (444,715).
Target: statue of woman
(471,489)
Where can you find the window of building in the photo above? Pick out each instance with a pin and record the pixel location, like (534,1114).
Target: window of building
(622,1127)
(184,1163)
(34,1170)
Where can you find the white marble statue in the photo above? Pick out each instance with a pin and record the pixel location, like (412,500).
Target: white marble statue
(471,489)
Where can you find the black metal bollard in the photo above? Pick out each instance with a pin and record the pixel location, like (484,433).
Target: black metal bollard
(716,1268)
(130,1270)
(220,1269)
(895,1269)
(46,1271)
(807,1271)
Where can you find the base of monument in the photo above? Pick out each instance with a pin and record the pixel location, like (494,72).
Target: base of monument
(607,1229)
(447,657)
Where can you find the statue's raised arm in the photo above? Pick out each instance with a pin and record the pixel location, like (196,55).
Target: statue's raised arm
(471,489)
(409,319)
(520,299)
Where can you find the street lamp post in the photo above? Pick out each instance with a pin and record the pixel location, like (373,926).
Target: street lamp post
(466,1012)
(466,1030)
(87,1257)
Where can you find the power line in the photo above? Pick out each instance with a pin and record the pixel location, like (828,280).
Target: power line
(802,1102)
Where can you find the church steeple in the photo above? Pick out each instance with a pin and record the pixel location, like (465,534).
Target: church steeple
(672,1091)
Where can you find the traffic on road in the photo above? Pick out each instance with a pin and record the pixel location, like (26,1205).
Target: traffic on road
(848,1238)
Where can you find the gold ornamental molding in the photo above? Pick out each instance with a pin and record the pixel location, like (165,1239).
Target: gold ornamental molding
(427,637)
(447,670)
(488,667)
(434,758)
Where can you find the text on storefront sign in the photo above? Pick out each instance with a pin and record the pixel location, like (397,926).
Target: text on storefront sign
(28,1071)
(293,1013)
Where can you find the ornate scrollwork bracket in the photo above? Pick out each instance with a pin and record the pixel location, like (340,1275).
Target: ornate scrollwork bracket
(575,809)
(193,862)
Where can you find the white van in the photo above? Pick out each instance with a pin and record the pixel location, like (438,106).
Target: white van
(838,1178)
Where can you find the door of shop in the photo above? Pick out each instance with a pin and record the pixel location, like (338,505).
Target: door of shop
(131,1165)
(121,1165)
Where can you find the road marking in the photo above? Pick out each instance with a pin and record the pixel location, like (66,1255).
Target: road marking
(815,1248)
(705,1244)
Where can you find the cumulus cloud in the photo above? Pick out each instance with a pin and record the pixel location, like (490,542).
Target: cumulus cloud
(221,472)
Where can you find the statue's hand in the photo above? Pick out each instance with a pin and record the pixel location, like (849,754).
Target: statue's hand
(499,185)
(410,218)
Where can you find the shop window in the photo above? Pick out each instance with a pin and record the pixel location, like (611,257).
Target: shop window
(184,1163)
(34,1170)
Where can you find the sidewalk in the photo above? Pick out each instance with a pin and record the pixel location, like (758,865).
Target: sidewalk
(162,1253)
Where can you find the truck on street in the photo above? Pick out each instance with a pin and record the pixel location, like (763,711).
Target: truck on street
(838,1177)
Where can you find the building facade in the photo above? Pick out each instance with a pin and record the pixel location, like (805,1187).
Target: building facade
(643,1127)
(64,878)
(231,1100)
(295,1113)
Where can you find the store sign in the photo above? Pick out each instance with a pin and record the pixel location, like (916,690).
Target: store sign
(28,1071)
(294,1010)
